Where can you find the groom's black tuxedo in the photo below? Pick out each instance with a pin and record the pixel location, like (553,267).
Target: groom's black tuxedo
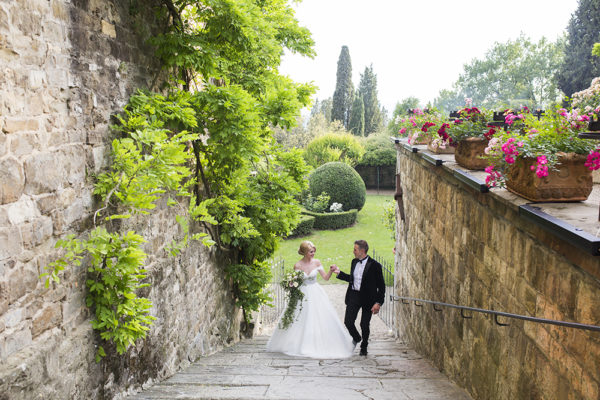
(372,287)
(372,290)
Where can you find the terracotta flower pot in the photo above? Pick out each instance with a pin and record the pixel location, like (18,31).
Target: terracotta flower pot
(468,151)
(572,181)
(439,150)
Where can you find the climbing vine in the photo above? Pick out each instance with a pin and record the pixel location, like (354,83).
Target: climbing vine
(206,144)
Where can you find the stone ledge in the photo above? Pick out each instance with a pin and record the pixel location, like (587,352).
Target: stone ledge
(576,223)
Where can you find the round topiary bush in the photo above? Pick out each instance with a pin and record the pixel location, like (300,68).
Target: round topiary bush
(341,182)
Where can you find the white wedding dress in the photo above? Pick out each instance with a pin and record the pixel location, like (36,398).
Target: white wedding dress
(316,331)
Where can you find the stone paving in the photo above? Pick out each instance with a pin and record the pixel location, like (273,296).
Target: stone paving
(392,370)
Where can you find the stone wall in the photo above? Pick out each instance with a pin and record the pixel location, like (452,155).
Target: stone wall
(464,247)
(66,66)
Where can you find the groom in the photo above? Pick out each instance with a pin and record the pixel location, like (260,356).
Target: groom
(366,292)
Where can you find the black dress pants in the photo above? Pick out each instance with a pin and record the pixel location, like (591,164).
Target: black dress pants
(354,304)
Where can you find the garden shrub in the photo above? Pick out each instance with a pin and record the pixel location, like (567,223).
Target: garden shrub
(343,147)
(316,204)
(343,184)
(324,221)
(304,227)
(379,152)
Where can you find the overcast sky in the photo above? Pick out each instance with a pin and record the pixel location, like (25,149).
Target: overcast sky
(416,47)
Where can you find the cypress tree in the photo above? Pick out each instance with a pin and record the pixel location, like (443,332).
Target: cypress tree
(356,125)
(344,89)
(368,91)
(579,66)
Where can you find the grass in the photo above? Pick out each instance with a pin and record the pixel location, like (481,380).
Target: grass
(335,247)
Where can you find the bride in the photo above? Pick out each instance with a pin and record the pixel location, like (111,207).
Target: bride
(316,330)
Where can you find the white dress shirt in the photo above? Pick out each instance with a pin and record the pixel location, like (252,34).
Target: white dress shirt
(358,273)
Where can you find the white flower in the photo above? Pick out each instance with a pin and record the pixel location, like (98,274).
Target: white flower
(336,207)
(295,284)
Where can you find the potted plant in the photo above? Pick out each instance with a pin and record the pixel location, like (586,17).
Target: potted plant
(470,133)
(442,143)
(544,160)
(420,125)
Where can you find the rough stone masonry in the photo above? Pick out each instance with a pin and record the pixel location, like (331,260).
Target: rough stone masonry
(66,66)
(464,247)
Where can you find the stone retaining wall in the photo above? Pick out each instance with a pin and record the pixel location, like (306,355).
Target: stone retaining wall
(66,66)
(460,246)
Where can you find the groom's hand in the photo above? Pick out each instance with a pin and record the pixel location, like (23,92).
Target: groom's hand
(375,308)
(334,268)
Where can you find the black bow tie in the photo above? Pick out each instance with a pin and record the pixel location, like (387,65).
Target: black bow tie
(364,259)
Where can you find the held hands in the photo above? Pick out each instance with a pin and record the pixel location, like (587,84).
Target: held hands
(334,268)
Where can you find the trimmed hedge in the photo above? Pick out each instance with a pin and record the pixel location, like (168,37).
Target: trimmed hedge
(333,220)
(304,227)
(341,182)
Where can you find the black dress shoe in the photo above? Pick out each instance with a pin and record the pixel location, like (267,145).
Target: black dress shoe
(363,352)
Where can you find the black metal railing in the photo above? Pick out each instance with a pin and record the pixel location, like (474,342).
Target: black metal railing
(386,313)
(270,314)
(496,314)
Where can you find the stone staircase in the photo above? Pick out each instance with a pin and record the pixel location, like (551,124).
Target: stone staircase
(392,370)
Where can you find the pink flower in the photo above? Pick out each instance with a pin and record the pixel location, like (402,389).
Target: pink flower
(541,169)
(494,177)
(593,160)
(402,131)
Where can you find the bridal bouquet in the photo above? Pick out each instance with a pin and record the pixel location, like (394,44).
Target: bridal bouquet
(291,284)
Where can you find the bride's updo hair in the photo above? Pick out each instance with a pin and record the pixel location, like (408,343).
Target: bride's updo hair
(305,247)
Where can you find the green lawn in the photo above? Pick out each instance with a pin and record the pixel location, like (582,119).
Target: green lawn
(335,247)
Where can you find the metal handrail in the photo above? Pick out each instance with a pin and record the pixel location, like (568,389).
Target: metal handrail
(577,325)
(387,311)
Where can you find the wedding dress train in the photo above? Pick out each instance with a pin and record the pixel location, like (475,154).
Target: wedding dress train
(316,331)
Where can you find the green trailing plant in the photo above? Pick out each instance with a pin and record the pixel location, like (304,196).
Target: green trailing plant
(206,145)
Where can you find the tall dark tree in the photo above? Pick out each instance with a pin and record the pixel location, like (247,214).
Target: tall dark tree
(356,124)
(344,89)
(579,66)
(368,91)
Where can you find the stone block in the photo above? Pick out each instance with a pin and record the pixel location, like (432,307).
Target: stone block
(23,143)
(12,180)
(13,317)
(4,215)
(37,79)
(3,141)
(74,306)
(21,280)
(50,171)
(10,243)
(22,211)
(10,344)
(101,157)
(47,318)
(108,29)
(12,125)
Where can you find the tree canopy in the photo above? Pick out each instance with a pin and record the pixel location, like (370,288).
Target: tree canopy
(579,67)
(367,89)
(344,89)
(517,72)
